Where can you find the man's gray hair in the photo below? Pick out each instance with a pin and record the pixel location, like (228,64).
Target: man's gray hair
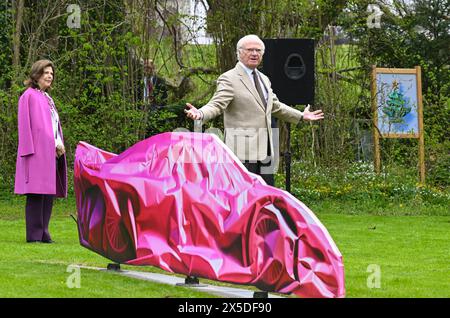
(245,39)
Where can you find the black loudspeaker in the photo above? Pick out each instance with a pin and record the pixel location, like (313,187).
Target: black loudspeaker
(289,63)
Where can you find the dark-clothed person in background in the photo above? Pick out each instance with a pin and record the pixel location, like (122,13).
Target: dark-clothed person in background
(154,87)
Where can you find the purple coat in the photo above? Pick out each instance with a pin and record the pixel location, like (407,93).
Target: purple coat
(36,153)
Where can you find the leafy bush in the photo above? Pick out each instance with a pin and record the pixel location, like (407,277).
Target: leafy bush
(396,188)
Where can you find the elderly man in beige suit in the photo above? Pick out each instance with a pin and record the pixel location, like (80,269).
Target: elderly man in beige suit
(245,97)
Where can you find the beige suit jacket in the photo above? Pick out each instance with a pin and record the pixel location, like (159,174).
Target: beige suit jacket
(246,120)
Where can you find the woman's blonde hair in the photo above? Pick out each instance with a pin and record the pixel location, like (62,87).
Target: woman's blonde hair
(36,72)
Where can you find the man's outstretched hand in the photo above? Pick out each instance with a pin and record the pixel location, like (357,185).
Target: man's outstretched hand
(309,115)
(193,112)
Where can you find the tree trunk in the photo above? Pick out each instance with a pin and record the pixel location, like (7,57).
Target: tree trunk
(16,38)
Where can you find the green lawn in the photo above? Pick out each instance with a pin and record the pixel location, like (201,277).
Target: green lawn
(411,252)
(41,270)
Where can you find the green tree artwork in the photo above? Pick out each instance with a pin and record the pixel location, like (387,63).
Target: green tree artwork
(397,100)
(397,107)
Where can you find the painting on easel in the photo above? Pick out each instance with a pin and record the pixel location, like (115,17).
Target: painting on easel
(397,108)
(397,105)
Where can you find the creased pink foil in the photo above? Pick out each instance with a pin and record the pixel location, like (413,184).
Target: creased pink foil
(183,202)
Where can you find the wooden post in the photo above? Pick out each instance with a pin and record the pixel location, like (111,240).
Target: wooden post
(421,132)
(376,136)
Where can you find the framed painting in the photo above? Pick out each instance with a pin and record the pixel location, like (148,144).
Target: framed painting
(397,109)
(397,102)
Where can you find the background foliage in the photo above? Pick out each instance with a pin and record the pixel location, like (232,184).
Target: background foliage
(99,68)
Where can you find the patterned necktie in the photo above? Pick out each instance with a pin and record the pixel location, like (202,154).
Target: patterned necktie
(259,89)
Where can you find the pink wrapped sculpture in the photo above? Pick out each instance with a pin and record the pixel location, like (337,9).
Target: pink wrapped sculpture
(184,203)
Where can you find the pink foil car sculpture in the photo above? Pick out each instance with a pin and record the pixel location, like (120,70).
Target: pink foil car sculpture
(184,203)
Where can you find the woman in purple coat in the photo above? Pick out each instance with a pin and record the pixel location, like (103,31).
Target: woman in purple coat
(41,161)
